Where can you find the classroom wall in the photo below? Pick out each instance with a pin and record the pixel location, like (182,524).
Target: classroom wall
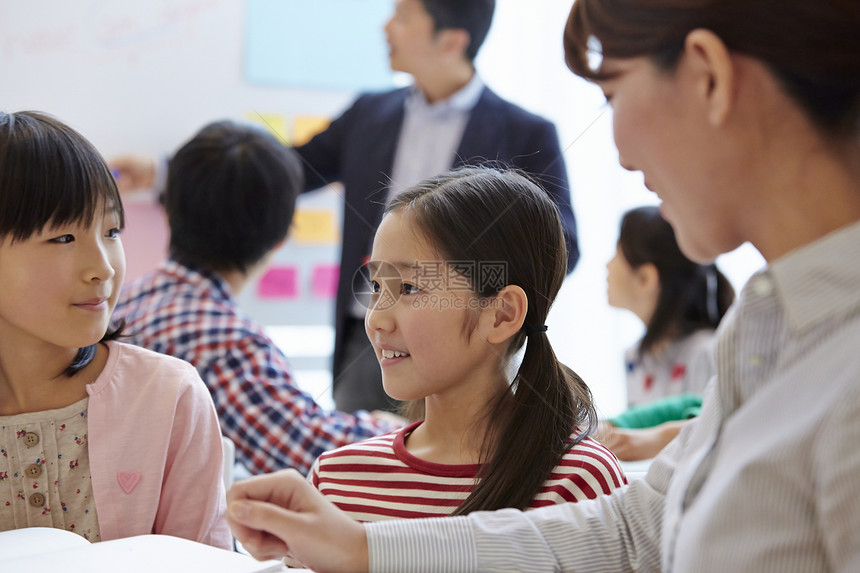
(143,76)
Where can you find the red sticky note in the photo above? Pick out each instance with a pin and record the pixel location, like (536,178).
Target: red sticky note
(324,281)
(278,282)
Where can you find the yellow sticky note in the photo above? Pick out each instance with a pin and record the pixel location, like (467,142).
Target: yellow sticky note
(314,226)
(307,126)
(274,123)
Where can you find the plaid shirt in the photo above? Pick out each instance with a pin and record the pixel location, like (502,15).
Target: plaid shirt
(192,315)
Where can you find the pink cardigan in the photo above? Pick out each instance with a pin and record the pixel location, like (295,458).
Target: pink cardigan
(155,449)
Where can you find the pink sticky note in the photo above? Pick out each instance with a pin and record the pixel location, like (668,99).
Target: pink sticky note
(278,282)
(145,237)
(324,281)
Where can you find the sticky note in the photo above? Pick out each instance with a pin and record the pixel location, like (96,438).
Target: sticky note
(279,282)
(146,236)
(314,226)
(324,281)
(307,126)
(274,123)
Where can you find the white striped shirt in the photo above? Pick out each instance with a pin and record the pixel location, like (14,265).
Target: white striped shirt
(766,480)
(379,479)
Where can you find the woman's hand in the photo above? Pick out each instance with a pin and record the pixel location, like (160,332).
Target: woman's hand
(281,514)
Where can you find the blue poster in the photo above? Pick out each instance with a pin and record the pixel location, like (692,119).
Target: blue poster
(322,44)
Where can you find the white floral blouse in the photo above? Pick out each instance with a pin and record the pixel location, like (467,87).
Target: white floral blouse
(45,478)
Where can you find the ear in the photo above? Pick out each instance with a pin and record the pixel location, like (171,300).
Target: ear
(715,74)
(504,317)
(453,41)
(648,277)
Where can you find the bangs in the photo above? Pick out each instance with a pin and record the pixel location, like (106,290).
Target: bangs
(609,29)
(50,175)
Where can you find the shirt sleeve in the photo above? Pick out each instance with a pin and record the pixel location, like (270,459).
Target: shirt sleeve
(650,414)
(619,532)
(192,503)
(273,423)
(321,156)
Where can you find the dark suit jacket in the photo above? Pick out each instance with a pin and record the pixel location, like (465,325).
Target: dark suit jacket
(358,150)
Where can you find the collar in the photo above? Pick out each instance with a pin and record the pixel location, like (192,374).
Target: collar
(819,281)
(461,101)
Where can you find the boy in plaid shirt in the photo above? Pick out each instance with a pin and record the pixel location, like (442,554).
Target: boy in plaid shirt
(229,199)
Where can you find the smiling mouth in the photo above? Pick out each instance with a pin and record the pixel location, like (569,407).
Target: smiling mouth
(390,354)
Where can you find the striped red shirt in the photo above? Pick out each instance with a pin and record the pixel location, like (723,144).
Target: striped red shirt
(379,479)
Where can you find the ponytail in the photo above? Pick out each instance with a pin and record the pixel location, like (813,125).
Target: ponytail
(549,401)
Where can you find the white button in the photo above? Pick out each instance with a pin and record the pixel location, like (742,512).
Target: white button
(756,360)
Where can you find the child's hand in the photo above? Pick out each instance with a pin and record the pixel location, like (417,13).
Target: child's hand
(282,514)
(630,445)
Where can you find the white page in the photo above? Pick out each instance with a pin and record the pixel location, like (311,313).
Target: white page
(55,550)
(36,541)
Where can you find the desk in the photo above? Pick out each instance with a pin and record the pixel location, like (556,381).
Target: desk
(636,470)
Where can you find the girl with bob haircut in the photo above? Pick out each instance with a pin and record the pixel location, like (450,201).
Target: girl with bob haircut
(98,437)
(744,118)
(449,311)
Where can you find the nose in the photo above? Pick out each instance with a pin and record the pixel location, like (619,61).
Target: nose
(379,316)
(98,266)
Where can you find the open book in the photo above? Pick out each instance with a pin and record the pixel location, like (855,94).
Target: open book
(47,549)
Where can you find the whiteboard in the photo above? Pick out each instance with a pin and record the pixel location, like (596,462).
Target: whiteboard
(142,76)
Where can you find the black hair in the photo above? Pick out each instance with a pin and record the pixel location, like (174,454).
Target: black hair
(230,197)
(474,16)
(692,296)
(504,218)
(811,47)
(52,175)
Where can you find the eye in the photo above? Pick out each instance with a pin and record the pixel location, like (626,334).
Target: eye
(407,288)
(62,239)
(113,233)
(375,288)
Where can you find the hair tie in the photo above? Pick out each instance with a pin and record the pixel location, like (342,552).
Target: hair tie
(530,329)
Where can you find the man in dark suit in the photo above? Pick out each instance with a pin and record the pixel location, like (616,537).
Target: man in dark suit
(388,141)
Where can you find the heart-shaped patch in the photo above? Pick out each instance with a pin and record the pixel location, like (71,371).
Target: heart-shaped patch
(128,480)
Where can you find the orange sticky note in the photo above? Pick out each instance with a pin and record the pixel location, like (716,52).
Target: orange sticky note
(315,226)
(307,126)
